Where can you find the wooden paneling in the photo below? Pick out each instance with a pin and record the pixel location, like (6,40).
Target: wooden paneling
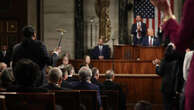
(13,18)
(139,87)
(120,66)
(135,52)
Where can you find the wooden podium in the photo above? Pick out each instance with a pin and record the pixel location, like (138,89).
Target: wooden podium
(137,52)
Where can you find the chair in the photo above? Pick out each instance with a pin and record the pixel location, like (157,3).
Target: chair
(2,102)
(29,101)
(110,99)
(68,100)
(88,99)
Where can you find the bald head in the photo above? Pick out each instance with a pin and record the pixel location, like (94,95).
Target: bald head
(109,74)
(150,32)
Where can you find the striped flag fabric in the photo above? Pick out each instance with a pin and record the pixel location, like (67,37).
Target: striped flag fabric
(150,15)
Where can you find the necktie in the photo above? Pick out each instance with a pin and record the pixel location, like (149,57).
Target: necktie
(100,48)
(150,41)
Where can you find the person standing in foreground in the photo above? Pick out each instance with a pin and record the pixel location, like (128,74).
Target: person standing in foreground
(182,36)
(34,50)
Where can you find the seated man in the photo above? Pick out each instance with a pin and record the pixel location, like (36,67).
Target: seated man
(85,75)
(110,85)
(101,51)
(138,31)
(55,80)
(71,71)
(150,40)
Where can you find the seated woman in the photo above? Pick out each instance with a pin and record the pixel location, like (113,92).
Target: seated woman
(87,62)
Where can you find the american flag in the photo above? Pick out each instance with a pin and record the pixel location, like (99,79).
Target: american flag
(150,15)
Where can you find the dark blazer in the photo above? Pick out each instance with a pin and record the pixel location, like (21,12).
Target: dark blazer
(88,86)
(105,52)
(66,84)
(72,79)
(34,50)
(145,42)
(160,35)
(137,41)
(110,85)
(51,86)
(168,70)
(96,82)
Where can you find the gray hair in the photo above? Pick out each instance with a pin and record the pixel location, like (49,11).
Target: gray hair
(55,74)
(143,105)
(109,74)
(85,73)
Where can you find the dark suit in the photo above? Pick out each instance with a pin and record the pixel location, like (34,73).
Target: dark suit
(66,84)
(105,52)
(154,43)
(34,50)
(160,35)
(96,82)
(168,70)
(137,41)
(88,86)
(51,86)
(109,85)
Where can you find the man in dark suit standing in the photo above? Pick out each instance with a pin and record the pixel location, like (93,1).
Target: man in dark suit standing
(138,30)
(34,50)
(150,40)
(101,51)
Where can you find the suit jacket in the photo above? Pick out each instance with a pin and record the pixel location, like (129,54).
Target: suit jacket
(66,84)
(105,52)
(134,32)
(34,50)
(110,85)
(88,86)
(146,41)
(26,89)
(51,86)
(96,82)
(182,36)
(168,70)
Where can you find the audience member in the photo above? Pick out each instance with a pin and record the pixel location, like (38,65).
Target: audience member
(87,62)
(85,75)
(27,75)
(168,70)
(71,72)
(160,35)
(65,61)
(143,105)
(101,51)
(150,40)
(108,84)
(34,50)
(54,80)
(138,30)
(7,79)
(65,83)
(182,36)
(95,77)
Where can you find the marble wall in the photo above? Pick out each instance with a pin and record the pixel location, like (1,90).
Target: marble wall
(59,13)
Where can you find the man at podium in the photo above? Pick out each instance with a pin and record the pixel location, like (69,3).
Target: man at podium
(150,40)
(138,30)
(101,51)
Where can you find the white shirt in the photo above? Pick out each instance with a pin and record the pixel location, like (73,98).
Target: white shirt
(186,64)
(152,40)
